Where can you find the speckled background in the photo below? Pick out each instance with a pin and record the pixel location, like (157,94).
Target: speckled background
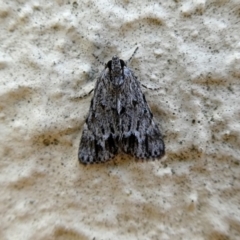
(190,49)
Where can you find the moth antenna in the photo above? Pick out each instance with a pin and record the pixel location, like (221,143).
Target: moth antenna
(130,59)
(99,60)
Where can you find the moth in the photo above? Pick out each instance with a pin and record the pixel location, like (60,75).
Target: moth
(119,119)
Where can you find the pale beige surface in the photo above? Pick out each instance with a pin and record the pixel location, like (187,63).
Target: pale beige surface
(191,49)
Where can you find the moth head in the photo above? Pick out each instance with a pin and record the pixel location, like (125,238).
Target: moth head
(115,64)
(116,71)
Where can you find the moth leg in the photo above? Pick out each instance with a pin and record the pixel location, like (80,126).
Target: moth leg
(84,95)
(154,89)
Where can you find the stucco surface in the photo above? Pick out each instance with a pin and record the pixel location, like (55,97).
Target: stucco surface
(190,49)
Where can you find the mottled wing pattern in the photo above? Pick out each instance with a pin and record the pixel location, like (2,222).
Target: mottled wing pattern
(139,134)
(99,141)
(119,119)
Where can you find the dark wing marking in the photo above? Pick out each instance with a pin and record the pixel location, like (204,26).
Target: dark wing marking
(140,136)
(99,142)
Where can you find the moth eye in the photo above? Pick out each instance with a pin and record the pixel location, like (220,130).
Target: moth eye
(122,63)
(109,65)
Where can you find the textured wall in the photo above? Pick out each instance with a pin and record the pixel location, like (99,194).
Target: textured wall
(190,49)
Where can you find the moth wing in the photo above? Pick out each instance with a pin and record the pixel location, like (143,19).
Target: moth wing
(99,142)
(140,135)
